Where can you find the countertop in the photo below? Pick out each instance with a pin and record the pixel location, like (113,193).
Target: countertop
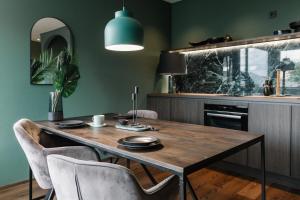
(275,99)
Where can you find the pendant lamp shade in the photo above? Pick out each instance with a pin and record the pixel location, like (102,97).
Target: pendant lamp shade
(124,33)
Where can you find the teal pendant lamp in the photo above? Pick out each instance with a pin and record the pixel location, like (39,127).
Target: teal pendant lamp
(124,33)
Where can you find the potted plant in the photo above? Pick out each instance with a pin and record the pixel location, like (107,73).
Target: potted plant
(65,75)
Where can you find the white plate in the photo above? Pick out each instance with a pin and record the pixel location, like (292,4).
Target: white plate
(96,125)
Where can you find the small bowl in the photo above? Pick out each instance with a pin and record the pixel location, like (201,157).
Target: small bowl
(295,25)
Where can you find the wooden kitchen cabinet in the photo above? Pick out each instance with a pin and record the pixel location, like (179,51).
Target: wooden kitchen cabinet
(273,120)
(161,105)
(239,158)
(187,110)
(295,142)
(280,122)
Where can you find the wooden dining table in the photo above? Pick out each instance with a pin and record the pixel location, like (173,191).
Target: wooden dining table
(186,148)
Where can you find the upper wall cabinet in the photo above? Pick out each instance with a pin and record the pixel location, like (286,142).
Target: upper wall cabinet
(49,36)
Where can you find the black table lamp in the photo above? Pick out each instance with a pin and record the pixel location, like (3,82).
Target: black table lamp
(172,64)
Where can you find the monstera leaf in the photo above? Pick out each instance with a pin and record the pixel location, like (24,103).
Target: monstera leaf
(66,75)
(60,69)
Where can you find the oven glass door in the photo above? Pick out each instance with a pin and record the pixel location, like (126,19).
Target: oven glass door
(225,121)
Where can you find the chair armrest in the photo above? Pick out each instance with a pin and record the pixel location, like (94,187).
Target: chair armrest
(167,186)
(77,152)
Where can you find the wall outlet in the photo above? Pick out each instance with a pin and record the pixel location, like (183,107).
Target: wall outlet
(273,14)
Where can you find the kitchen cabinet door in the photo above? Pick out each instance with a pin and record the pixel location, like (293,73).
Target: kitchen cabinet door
(187,110)
(239,158)
(273,120)
(161,105)
(295,142)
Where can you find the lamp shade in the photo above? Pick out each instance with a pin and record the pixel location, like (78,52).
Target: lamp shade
(124,33)
(172,64)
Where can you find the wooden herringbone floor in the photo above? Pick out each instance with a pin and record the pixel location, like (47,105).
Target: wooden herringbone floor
(208,184)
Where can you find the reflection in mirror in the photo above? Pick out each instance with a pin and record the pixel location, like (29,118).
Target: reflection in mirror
(49,37)
(243,70)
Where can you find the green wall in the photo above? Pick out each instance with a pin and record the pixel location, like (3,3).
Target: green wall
(107,77)
(196,20)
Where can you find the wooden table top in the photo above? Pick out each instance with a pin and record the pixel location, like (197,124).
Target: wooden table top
(186,147)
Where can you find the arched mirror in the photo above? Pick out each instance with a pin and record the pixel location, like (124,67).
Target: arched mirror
(49,37)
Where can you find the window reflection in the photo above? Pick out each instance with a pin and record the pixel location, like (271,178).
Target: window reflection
(292,76)
(242,70)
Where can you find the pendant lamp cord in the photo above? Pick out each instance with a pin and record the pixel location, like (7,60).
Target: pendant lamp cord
(123,4)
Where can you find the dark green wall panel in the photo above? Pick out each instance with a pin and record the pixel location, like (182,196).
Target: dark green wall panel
(106,77)
(196,20)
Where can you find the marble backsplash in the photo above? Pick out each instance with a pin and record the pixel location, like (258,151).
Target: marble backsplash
(241,70)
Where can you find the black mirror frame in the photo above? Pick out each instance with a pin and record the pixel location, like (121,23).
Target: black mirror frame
(70,45)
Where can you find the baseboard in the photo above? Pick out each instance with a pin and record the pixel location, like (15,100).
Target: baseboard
(280,181)
(4,187)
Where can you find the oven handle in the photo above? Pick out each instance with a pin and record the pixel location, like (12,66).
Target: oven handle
(224,116)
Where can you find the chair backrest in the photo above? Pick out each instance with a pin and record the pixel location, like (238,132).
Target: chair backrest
(148,114)
(76,179)
(28,135)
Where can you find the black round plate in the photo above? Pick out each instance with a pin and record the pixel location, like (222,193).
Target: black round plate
(139,140)
(141,147)
(70,124)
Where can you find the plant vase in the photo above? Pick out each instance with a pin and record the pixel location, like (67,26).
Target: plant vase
(55,107)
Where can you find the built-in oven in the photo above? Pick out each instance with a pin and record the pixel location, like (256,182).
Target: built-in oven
(226,116)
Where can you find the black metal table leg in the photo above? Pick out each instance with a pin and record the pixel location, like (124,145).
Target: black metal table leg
(190,187)
(30,195)
(30,184)
(263,170)
(98,154)
(182,187)
(128,163)
(50,194)
(116,161)
(154,182)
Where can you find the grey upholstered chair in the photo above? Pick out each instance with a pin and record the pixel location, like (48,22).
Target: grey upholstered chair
(148,114)
(28,135)
(76,179)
